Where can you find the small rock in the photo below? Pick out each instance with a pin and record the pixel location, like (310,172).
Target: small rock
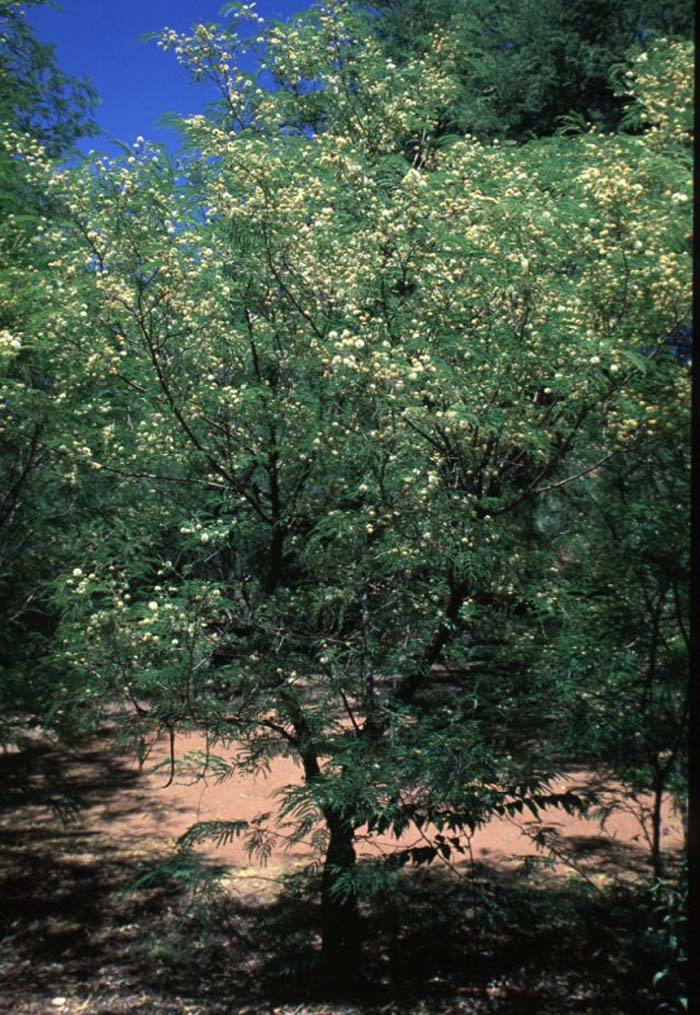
(59,1002)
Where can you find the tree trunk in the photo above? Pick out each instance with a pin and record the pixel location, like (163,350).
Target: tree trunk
(340,915)
(275,558)
(656,857)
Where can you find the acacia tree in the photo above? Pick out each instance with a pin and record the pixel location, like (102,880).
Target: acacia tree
(36,96)
(622,658)
(36,100)
(325,391)
(522,66)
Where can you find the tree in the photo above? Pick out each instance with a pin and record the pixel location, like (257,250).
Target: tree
(37,101)
(622,657)
(622,660)
(524,65)
(36,97)
(328,391)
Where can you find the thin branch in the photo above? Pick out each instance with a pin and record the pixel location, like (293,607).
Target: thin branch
(349,710)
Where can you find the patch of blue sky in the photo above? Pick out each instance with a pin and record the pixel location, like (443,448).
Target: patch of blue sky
(137,83)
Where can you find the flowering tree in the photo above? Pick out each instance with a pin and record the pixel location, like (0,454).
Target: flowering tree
(326,399)
(521,67)
(624,652)
(37,100)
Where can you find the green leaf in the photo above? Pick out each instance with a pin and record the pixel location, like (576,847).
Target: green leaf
(636,360)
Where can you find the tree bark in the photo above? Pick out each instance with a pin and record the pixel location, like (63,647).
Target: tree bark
(276,556)
(656,857)
(340,914)
(341,949)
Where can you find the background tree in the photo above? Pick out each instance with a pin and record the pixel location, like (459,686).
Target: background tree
(521,66)
(626,648)
(37,101)
(36,96)
(623,652)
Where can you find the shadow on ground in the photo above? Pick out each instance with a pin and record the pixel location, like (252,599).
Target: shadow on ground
(497,943)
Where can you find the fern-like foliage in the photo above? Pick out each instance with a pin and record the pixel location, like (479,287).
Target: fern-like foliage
(221,833)
(210,766)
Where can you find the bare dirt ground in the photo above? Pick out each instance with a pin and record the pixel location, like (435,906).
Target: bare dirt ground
(155,812)
(74,939)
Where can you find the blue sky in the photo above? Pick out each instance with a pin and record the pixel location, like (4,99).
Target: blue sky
(136,81)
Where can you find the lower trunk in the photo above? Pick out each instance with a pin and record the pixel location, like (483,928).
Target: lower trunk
(340,916)
(656,857)
(276,552)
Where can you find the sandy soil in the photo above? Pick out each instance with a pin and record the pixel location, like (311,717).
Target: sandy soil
(145,809)
(81,933)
